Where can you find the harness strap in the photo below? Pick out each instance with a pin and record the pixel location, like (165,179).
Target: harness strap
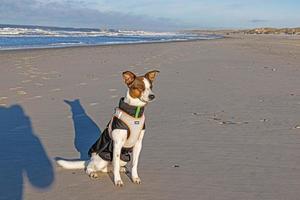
(137,112)
(134,124)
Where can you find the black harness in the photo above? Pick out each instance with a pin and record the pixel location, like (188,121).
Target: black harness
(104,145)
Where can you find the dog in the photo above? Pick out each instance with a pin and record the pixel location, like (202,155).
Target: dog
(121,141)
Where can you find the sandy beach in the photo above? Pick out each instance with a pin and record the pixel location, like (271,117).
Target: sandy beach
(225,125)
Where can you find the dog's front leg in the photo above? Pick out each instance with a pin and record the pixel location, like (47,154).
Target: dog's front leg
(136,154)
(119,138)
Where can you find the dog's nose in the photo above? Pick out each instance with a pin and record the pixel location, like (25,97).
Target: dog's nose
(151,96)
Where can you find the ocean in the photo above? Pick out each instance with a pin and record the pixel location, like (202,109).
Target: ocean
(28,37)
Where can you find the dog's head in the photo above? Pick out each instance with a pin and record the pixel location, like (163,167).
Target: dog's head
(140,87)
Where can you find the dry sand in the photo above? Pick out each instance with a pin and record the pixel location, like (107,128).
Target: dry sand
(225,124)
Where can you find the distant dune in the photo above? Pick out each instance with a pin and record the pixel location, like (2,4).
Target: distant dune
(264,30)
(289,31)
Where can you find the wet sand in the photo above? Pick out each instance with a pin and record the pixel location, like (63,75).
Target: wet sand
(225,125)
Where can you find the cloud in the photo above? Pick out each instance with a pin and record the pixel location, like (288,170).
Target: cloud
(76,14)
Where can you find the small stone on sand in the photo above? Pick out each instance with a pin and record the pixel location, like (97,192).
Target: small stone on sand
(263,120)
(297,127)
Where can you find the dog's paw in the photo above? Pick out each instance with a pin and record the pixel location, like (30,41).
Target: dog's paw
(119,183)
(123,169)
(136,180)
(94,175)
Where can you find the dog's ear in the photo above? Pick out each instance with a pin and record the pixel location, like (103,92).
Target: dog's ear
(151,75)
(128,77)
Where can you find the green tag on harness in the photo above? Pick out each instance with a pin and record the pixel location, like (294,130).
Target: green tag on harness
(137,112)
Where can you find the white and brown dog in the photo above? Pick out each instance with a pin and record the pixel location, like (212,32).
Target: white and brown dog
(122,138)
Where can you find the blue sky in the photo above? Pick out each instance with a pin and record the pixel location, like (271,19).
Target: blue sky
(152,14)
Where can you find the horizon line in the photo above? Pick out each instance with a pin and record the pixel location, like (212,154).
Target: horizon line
(189,29)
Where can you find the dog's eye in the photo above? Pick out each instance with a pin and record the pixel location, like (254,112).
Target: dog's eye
(136,88)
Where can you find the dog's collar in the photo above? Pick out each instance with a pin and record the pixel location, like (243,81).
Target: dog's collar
(134,111)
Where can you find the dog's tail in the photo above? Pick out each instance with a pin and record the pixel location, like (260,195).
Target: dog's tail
(80,164)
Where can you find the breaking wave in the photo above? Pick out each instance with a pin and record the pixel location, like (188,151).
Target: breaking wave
(20,37)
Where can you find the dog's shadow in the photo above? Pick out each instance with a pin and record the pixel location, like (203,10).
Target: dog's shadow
(22,155)
(86,130)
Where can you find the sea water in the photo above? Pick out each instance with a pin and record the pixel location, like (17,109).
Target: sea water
(27,37)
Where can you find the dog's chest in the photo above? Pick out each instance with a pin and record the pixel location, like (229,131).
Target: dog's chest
(135,127)
(134,120)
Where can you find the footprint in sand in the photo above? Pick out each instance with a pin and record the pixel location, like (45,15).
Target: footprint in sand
(3,98)
(35,97)
(26,81)
(53,72)
(39,84)
(21,92)
(24,73)
(34,72)
(17,63)
(33,68)
(15,88)
(55,90)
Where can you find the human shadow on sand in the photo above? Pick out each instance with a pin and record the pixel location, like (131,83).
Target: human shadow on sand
(22,155)
(86,130)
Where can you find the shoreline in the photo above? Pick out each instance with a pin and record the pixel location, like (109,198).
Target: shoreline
(220,35)
(116,44)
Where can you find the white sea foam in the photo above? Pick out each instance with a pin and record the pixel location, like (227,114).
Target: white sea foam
(13,32)
(23,37)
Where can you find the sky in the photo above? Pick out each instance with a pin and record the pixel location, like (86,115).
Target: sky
(152,14)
